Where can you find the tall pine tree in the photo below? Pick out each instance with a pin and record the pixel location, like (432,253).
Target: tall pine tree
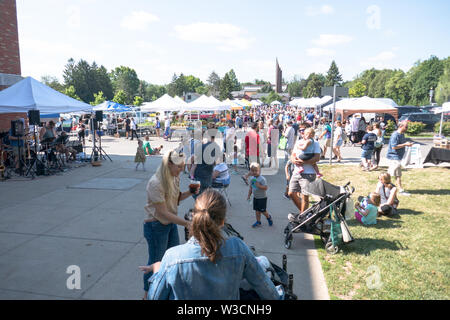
(333,76)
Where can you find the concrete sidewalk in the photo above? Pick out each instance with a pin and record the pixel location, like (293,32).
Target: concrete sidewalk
(92,217)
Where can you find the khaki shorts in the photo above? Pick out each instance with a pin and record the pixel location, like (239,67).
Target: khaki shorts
(299,181)
(395,168)
(327,143)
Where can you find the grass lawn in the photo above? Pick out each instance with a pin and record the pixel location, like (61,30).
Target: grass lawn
(410,250)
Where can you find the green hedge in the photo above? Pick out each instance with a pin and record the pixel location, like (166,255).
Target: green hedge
(445,128)
(390,127)
(415,128)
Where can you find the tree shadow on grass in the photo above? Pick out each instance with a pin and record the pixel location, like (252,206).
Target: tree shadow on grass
(401,212)
(365,246)
(381,224)
(441,192)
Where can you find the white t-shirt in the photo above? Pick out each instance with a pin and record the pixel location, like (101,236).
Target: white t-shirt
(384,194)
(337,133)
(167,123)
(290,136)
(307,168)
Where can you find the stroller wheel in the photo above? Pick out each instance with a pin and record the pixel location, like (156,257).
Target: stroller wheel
(331,249)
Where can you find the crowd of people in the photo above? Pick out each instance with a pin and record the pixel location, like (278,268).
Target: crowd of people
(173,268)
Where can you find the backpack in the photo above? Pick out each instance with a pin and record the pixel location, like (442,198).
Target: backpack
(379,142)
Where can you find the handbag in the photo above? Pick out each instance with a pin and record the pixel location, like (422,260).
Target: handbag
(282,144)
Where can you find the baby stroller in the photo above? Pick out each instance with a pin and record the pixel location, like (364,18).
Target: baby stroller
(325,218)
(278,275)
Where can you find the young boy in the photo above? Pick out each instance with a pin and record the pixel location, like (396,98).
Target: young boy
(368,215)
(258,187)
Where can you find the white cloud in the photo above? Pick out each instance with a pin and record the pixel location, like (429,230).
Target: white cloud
(380,61)
(150,48)
(226,37)
(138,20)
(319,52)
(315,11)
(326,40)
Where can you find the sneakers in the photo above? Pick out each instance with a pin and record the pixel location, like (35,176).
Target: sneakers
(256,224)
(269,219)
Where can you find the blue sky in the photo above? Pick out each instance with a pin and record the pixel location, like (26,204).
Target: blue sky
(160,38)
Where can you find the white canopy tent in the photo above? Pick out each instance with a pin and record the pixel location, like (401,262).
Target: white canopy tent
(276,103)
(178,99)
(311,102)
(30,94)
(163,104)
(204,103)
(347,107)
(445,108)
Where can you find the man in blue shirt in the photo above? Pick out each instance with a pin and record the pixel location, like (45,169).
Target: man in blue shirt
(395,153)
(368,146)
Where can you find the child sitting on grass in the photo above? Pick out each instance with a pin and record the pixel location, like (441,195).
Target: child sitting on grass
(368,215)
(258,187)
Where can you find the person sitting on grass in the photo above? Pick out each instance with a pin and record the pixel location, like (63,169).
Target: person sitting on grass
(368,214)
(388,195)
(148,148)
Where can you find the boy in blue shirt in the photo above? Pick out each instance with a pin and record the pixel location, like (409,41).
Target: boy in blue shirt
(368,215)
(258,187)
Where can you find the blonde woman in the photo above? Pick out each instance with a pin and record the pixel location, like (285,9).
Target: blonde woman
(163,198)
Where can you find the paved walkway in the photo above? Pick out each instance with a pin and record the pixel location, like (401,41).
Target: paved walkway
(92,217)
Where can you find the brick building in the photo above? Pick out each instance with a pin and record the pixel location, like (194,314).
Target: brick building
(10,72)
(9,44)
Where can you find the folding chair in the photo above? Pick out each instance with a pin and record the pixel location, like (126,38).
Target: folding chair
(223,190)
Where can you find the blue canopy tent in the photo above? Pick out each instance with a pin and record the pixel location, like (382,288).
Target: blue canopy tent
(111,106)
(30,94)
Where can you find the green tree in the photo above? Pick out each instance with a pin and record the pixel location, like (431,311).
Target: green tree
(423,76)
(70,91)
(226,86)
(443,88)
(202,90)
(273,96)
(333,76)
(192,83)
(315,82)
(53,83)
(377,88)
(213,84)
(295,87)
(98,98)
(120,97)
(87,79)
(138,101)
(366,77)
(398,88)
(236,86)
(358,89)
(125,79)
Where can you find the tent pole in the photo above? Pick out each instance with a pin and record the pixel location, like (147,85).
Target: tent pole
(332,124)
(442,119)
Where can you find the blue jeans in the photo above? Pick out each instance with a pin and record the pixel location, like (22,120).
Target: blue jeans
(159,238)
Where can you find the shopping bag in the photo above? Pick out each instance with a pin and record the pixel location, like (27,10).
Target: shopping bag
(406,157)
(282,144)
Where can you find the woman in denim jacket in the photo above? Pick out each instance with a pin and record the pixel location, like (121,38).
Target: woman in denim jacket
(209,266)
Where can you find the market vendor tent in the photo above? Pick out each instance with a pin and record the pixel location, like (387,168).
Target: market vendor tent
(30,94)
(164,103)
(347,107)
(311,102)
(444,109)
(204,103)
(111,106)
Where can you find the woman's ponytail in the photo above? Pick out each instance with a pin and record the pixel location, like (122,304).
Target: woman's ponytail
(209,214)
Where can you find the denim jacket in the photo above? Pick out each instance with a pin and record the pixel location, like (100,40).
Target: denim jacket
(186,274)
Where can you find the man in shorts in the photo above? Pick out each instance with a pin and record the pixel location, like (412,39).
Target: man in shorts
(395,153)
(300,180)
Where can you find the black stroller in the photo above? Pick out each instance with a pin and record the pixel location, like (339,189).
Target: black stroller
(279,276)
(325,218)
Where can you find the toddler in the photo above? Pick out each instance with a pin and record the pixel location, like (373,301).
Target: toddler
(140,155)
(304,150)
(368,215)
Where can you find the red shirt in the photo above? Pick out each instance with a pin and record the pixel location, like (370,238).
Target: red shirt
(252,143)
